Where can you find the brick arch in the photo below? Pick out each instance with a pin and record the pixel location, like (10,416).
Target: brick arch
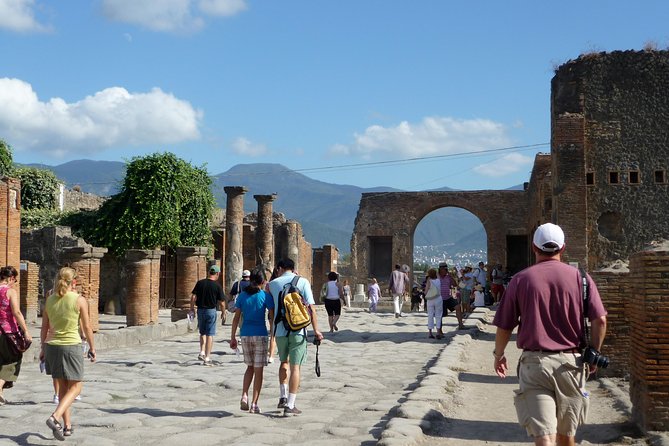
(386,222)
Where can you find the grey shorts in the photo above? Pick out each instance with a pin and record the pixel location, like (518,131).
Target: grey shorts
(65,362)
(552,396)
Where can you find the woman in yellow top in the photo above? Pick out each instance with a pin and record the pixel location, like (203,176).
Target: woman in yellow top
(64,311)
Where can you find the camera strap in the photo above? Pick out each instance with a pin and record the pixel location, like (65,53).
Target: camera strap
(585,289)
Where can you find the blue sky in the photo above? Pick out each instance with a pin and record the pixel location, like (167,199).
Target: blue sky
(308,84)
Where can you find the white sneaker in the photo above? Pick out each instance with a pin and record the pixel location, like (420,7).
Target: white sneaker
(55,399)
(77,398)
(201,356)
(207,361)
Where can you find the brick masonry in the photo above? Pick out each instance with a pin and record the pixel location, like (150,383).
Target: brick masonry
(29,283)
(649,319)
(324,261)
(10,222)
(142,271)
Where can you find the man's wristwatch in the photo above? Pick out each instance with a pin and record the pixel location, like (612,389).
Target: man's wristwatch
(494,353)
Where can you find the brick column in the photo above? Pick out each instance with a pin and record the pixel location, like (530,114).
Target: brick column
(324,261)
(10,222)
(191,266)
(265,230)
(142,271)
(85,260)
(29,278)
(234,227)
(649,337)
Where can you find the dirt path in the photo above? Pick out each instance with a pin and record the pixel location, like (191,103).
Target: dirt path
(482,411)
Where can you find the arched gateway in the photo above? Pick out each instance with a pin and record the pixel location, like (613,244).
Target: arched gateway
(386,221)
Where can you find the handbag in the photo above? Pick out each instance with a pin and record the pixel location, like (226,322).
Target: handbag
(432,293)
(17,341)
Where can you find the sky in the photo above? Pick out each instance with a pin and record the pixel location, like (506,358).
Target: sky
(411,94)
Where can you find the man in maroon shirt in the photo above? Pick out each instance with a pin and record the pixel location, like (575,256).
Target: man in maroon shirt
(545,302)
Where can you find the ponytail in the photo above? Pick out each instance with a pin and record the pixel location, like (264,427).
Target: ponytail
(64,280)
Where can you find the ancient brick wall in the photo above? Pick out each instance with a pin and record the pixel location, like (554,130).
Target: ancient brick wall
(142,271)
(324,260)
(86,263)
(615,289)
(618,102)
(539,194)
(249,247)
(191,266)
(649,320)
(10,222)
(29,284)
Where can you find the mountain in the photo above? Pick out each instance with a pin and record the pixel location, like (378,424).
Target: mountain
(326,211)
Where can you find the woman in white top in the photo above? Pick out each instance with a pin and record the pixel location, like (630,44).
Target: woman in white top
(347,293)
(332,300)
(435,304)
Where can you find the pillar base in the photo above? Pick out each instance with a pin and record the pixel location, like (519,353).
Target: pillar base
(179,313)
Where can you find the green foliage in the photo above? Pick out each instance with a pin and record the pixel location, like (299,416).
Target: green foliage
(38,188)
(418,266)
(39,218)
(6,160)
(164,201)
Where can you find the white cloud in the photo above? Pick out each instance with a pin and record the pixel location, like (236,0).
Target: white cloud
(18,15)
(244,147)
(431,136)
(169,15)
(224,8)
(508,164)
(109,118)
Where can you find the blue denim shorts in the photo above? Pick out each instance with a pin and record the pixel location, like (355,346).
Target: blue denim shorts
(206,321)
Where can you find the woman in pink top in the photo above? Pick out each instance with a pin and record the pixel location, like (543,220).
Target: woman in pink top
(11,320)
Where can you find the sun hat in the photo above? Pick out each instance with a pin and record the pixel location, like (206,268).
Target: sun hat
(549,238)
(246,273)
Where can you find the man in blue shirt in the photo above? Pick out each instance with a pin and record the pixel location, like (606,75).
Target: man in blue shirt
(292,346)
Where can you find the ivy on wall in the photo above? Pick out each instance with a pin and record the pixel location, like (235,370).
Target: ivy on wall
(6,160)
(38,187)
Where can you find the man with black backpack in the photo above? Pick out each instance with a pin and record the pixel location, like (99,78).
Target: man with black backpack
(292,344)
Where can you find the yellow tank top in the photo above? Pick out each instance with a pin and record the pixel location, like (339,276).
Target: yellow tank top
(63,315)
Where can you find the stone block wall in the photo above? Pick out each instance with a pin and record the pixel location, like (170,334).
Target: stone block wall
(649,319)
(29,283)
(616,293)
(10,222)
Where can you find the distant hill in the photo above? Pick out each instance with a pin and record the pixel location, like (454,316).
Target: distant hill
(326,211)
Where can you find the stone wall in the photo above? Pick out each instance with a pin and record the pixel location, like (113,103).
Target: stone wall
(29,294)
(10,222)
(649,316)
(539,195)
(76,200)
(617,108)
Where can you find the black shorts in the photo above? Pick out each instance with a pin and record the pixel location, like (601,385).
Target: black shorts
(450,304)
(333,307)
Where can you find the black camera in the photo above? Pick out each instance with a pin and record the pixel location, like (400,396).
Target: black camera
(594,357)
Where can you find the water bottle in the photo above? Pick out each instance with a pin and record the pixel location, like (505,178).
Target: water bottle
(190,317)
(84,347)
(237,352)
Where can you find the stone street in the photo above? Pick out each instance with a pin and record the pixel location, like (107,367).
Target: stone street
(376,385)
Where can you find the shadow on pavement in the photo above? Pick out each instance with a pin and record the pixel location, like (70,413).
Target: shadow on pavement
(486,379)
(25,438)
(481,430)
(164,413)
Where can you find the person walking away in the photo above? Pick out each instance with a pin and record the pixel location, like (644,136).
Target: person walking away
(497,276)
(397,286)
(272,338)
(292,346)
(332,300)
(206,296)
(466,292)
(548,297)
(346,288)
(252,303)
(374,294)
(67,312)
(434,303)
(237,287)
(448,281)
(11,321)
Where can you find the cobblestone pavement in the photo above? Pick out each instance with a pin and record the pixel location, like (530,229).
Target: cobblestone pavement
(159,393)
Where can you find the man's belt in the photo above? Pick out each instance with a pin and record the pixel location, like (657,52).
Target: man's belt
(569,350)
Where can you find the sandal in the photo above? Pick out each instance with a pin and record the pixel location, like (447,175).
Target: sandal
(56,428)
(67,432)
(243,404)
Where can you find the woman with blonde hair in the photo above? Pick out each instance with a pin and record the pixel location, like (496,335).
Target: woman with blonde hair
(65,311)
(11,321)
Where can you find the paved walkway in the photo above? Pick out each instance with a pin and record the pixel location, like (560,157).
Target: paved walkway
(382,381)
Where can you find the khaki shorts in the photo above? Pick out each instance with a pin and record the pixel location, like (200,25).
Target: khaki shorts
(552,397)
(292,348)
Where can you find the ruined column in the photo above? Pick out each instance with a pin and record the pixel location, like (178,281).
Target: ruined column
(29,279)
(10,222)
(191,266)
(293,240)
(85,261)
(234,227)
(265,230)
(142,286)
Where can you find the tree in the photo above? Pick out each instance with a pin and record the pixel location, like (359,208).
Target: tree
(38,188)
(164,202)
(6,160)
